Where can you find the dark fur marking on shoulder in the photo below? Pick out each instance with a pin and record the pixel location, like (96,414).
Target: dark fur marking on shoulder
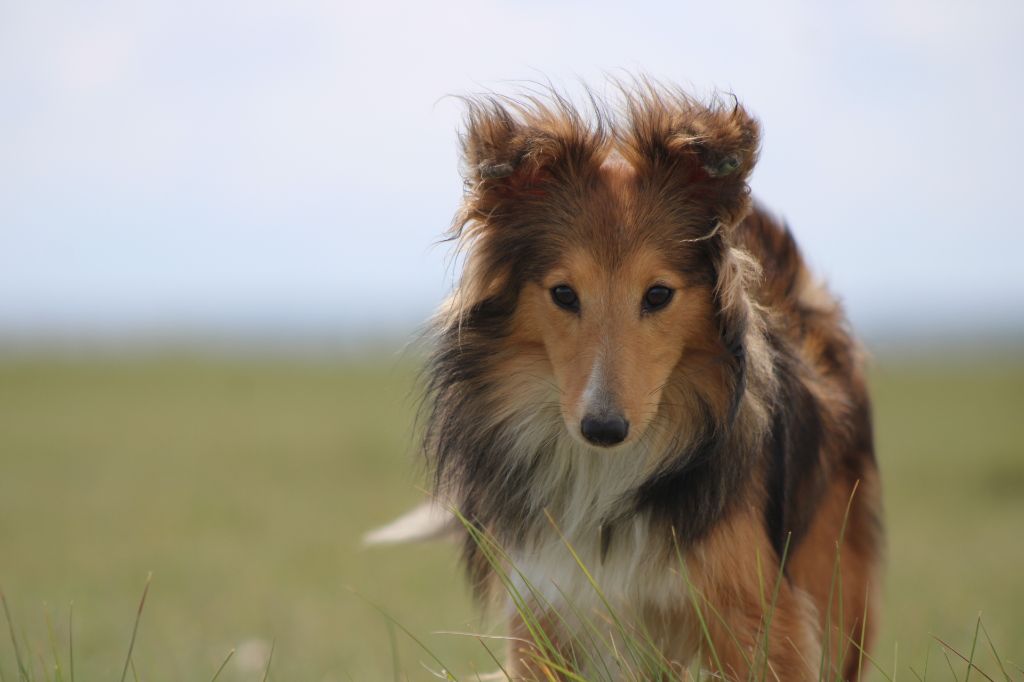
(795,478)
(693,492)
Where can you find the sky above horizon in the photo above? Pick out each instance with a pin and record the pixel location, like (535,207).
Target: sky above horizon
(194,166)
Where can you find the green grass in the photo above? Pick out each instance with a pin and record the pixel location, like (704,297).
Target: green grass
(244,486)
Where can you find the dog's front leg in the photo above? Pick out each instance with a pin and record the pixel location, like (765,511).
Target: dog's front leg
(745,644)
(751,632)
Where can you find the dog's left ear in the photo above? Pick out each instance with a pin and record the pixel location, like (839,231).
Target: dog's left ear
(708,150)
(717,144)
(716,149)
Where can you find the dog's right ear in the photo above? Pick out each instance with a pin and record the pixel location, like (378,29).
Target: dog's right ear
(515,148)
(500,152)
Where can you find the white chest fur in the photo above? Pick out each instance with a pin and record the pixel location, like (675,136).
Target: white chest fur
(566,565)
(633,574)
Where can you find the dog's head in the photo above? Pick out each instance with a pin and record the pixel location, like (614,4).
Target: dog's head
(598,251)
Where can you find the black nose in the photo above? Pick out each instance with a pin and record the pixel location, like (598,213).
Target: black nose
(604,430)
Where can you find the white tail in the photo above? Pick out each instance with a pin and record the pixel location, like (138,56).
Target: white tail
(429,521)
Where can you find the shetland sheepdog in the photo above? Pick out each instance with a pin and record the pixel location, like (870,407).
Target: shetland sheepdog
(637,374)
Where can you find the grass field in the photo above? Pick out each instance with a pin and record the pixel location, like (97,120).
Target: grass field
(244,486)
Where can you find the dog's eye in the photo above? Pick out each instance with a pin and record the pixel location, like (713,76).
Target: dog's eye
(565,297)
(657,297)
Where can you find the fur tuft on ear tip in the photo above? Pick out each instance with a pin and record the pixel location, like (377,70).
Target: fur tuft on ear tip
(493,170)
(513,143)
(715,141)
(726,166)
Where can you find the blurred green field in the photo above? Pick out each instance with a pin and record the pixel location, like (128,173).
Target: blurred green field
(245,485)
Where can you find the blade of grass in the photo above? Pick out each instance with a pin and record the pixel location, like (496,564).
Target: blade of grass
(494,658)
(826,651)
(799,653)
(876,664)
(769,615)
(407,632)
(970,663)
(393,645)
(24,639)
(22,672)
(696,605)
(927,657)
(439,674)
(569,674)
(270,659)
(43,666)
(223,665)
(995,654)
(761,596)
(135,628)
(71,641)
(58,671)
(593,634)
(480,636)
(952,671)
(974,645)
(863,632)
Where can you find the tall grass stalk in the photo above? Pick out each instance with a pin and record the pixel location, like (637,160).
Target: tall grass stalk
(135,628)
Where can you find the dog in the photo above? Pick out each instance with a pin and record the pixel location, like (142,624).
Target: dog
(641,407)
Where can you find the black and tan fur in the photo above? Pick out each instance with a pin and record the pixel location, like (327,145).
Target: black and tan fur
(749,417)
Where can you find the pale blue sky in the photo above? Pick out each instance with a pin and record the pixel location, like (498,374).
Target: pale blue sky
(285,167)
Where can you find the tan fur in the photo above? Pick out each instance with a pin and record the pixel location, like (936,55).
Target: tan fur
(850,622)
(735,573)
(636,353)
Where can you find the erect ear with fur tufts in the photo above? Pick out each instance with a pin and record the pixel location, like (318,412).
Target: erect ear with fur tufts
(500,151)
(522,163)
(716,150)
(709,150)
(716,144)
(513,146)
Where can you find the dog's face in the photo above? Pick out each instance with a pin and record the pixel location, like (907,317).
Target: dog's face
(614,313)
(603,255)
(612,336)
